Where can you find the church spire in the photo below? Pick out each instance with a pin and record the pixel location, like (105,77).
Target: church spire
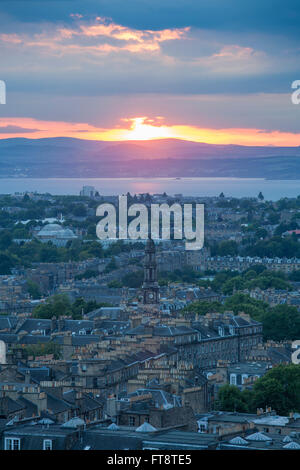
(150,285)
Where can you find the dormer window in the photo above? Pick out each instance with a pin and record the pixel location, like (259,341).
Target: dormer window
(47,444)
(231,330)
(12,443)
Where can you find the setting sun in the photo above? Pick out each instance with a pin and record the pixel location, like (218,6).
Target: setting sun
(142,130)
(145,128)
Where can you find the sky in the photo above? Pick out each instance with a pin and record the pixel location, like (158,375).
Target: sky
(214,71)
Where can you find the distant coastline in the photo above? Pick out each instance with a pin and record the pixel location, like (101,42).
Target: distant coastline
(187,186)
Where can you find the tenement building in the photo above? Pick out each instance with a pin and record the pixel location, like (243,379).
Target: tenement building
(204,341)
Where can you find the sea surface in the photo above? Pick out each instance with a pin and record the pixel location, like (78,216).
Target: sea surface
(235,187)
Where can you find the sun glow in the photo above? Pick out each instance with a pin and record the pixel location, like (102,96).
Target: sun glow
(142,129)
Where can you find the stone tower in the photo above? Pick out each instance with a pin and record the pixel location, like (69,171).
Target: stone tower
(150,285)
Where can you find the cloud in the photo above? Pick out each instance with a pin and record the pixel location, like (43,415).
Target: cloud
(16,130)
(104,36)
(144,128)
(233,15)
(200,64)
(99,56)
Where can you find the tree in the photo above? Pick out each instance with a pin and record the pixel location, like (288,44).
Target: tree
(5,264)
(221,195)
(80,307)
(115,284)
(236,283)
(295,276)
(227,248)
(87,274)
(26,198)
(260,196)
(230,398)
(56,306)
(279,388)
(261,233)
(243,303)
(5,240)
(281,323)
(43,349)
(133,280)
(79,210)
(33,289)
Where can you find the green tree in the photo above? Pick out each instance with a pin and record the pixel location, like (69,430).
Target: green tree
(279,388)
(133,280)
(43,349)
(115,284)
(79,210)
(230,398)
(281,323)
(227,248)
(6,240)
(236,283)
(260,196)
(55,306)
(33,289)
(7,262)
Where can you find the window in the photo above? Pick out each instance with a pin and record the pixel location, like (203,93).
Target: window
(95,382)
(131,420)
(244,378)
(47,444)
(12,443)
(232,379)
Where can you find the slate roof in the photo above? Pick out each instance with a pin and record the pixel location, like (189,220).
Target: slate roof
(8,406)
(176,440)
(88,403)
(37,374)
(107,439)
(57,405)
(162,330)
(33,435)
(34,324)
(31,408)
(8,322)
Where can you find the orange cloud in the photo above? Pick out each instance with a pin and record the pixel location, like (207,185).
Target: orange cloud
(142,128)
(103,32)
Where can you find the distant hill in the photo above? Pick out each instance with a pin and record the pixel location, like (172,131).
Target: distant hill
(67,157)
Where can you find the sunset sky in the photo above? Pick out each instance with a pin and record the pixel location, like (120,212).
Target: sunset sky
(216,72)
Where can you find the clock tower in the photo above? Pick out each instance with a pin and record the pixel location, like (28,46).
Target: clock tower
(150,285)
